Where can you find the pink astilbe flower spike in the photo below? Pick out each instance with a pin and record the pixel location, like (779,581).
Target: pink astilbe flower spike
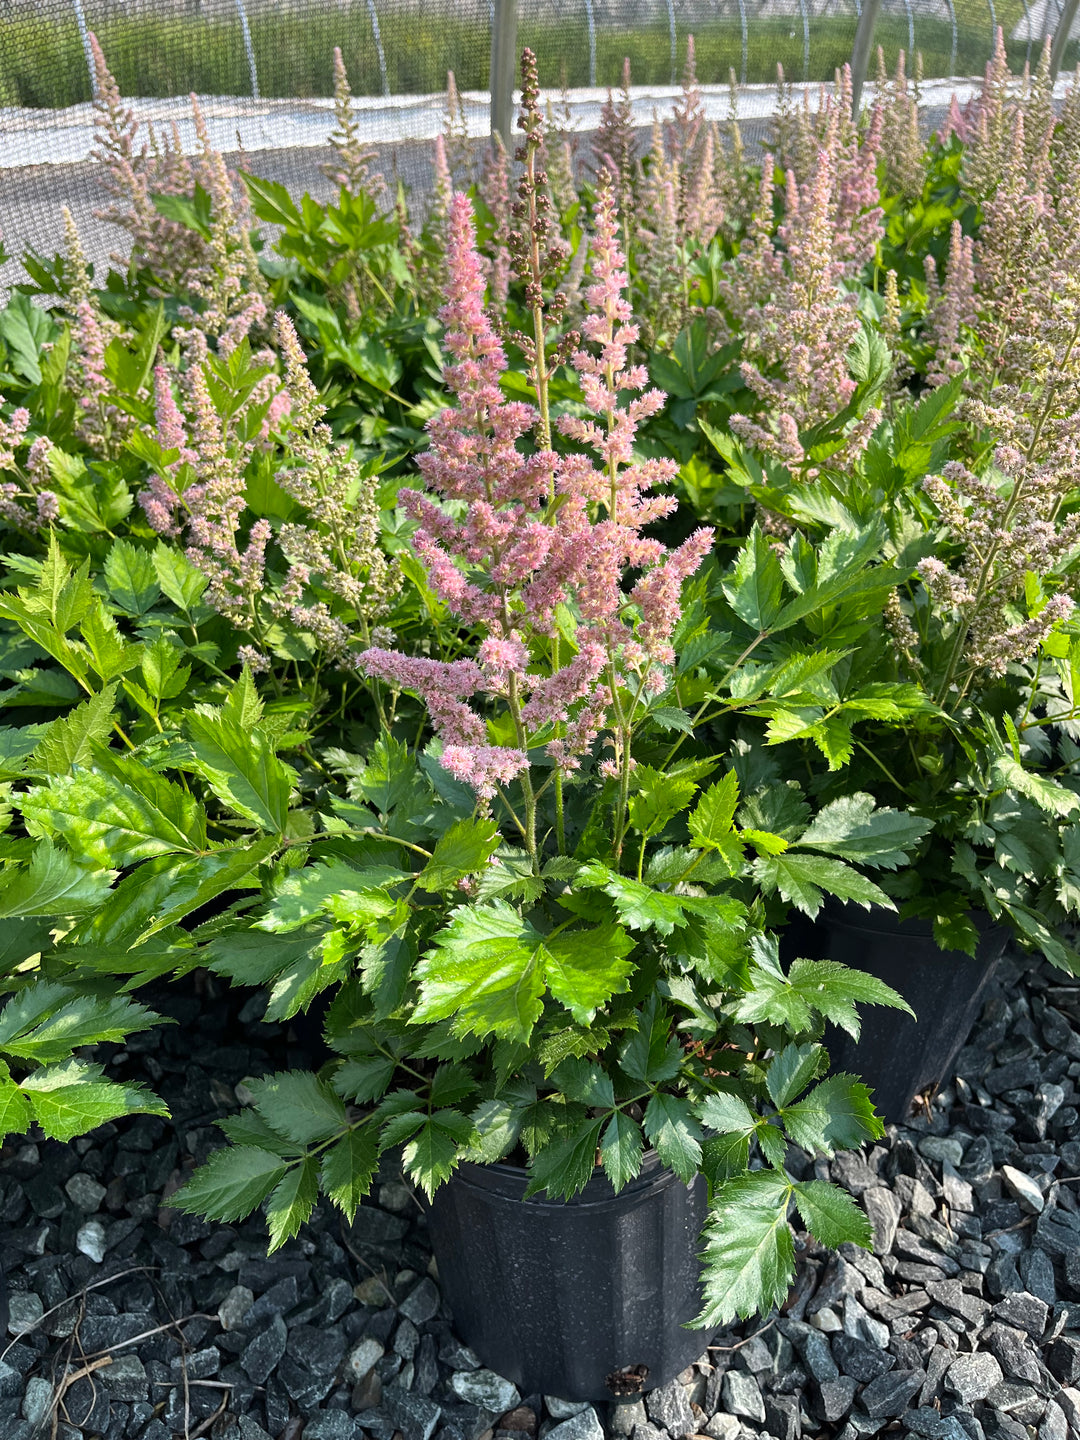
(529,535)
(351,169)
(495,188)
(614,144)
(953,309)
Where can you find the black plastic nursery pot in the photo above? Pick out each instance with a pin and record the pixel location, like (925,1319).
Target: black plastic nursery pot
(587,1299)
(896,1056)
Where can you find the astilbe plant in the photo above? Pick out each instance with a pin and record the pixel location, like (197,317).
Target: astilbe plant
(951,315)
(614,148)
(28,503)
(515,982)
(1014,524)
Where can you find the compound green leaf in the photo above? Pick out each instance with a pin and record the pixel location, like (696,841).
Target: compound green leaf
(485,974)
(69,740)
(834,989)
(585,968)
(792,1070)
(853,829)
(621,1149)
(837,1114)
(432,1155)
(565,1166)
(801,879)
(117,818)
(131,578)
(242,770)
(675,1134)
(52,884)
(461,850)
(749,1248)
(714,815)
(727,1114)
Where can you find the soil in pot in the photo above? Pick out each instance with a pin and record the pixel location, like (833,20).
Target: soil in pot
(896,1056)
(587,1299)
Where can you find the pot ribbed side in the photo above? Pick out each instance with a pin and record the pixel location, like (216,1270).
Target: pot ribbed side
(558,1296)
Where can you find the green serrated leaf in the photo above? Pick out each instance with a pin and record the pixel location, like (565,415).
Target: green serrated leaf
(837,1114)
(834,989)
(365,1080)
(116,817)
(231,1184)
(70,739)
(1055,799)
(831,1215)
(14,1109)
(131,578)
(348,1169)
(621,1148)
(802,879)
(792,1069)
(486,973)
(714,815)
(585,968)
(727,1114)
(432,1155)
(461,850)
(565,1166)
(853,829)
(69,1099)
(292,1201)
(675,1134)
(298,1106)
(52,884)
(242,770)
(749,1258)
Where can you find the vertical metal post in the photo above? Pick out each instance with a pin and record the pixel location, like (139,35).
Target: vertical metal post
(84,36)
(674,42)
(591,20)
(860,51)
(249,48)
(952,22)
(1061,36)
(1030,31)
(503,68)
(910,35)
(379,51)
(805,41)
(745,41)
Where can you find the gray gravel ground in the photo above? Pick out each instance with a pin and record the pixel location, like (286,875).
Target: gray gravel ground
(131,1320)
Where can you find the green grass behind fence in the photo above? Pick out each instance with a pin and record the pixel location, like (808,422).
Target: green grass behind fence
(42,62)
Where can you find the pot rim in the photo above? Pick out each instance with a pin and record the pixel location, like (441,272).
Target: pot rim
(848,915)
(507,1183)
